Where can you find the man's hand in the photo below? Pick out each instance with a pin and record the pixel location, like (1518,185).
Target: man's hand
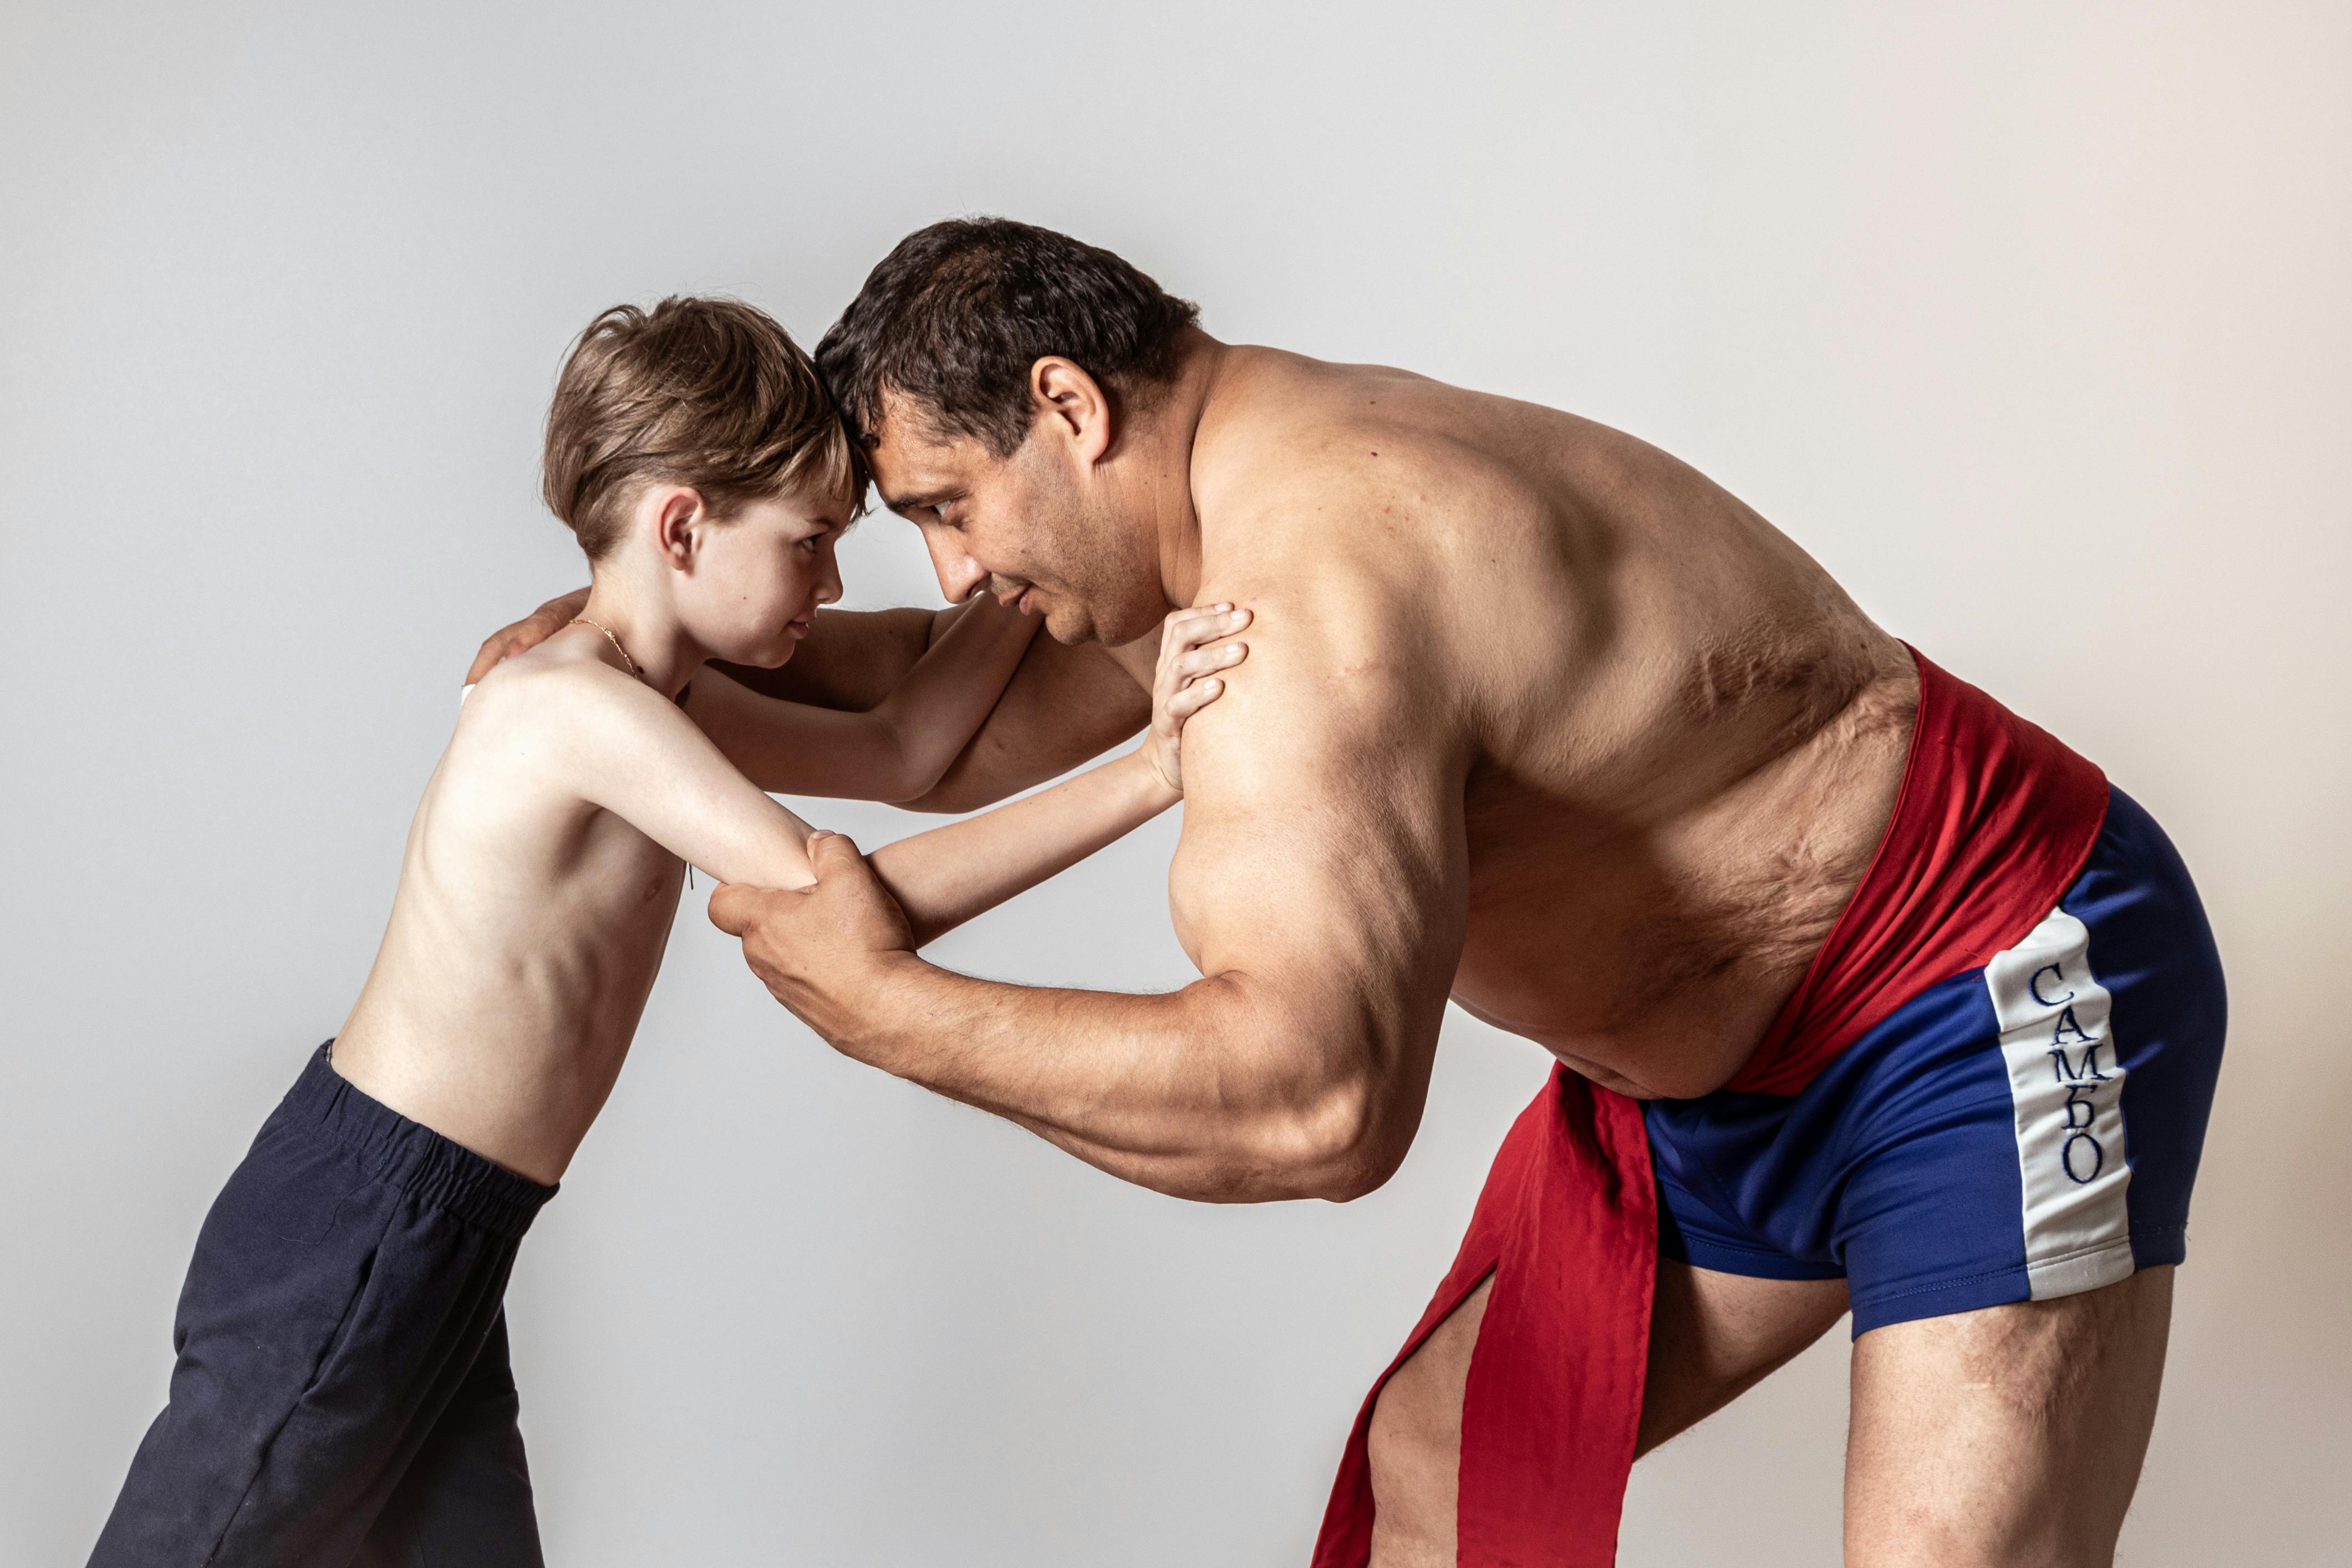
(529,632)
(819,944)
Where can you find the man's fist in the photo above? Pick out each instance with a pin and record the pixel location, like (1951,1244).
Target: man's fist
(529,632)
(816,946)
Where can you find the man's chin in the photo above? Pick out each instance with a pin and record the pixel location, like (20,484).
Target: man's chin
(1073,621)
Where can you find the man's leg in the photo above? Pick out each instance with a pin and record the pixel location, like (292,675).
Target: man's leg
(2011,1435)
(1712,1337)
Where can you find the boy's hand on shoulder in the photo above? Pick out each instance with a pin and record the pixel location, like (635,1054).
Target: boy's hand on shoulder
(529,632)
(1194,650)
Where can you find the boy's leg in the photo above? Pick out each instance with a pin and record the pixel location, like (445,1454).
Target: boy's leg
(466,1499)
(344,1284)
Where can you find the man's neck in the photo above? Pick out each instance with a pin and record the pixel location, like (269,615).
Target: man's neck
(1172,427)
(647,635)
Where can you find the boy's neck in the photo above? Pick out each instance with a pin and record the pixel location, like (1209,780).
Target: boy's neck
(648,634)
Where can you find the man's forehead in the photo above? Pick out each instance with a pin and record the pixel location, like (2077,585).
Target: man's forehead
(910,460)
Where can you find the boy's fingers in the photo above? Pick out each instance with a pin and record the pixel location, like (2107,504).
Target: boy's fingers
(1192,627)
(1209,625)
(1194,698)
(1209,658)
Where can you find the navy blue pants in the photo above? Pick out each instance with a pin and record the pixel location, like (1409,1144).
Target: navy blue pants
(341,1394)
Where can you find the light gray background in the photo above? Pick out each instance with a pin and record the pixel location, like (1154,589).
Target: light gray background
(2030,321)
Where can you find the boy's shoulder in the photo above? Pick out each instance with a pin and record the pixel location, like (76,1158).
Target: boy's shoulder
(553,683)
(566,709)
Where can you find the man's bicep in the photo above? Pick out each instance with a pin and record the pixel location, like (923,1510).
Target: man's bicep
(1323,853)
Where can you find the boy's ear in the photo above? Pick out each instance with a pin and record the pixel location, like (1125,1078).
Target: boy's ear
(1071,404)
(678,509)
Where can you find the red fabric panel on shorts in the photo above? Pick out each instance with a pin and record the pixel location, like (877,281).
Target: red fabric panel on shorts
(1567,1224)
(1993,824)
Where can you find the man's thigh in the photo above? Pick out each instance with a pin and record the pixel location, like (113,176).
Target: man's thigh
(2010,1435)
(1712,1337)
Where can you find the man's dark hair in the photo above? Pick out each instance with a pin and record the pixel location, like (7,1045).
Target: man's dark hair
(954,317)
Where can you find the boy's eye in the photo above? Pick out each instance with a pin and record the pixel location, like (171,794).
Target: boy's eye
(809,544)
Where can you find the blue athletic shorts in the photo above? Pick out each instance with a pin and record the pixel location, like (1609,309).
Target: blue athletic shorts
(2020,1131)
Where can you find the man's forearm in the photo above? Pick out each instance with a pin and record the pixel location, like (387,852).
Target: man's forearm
(1199,1093)
(851,660)
(1063,706)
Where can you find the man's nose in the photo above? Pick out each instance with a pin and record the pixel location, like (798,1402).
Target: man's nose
(959,576)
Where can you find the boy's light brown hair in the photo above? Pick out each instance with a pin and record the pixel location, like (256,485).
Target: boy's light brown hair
(699,390)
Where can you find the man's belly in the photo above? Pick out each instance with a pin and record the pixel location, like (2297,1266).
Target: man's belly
(1674,1043)
(1654,960)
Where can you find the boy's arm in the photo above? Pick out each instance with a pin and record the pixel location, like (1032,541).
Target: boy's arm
(943,877)
(894,750)
(619,745)
(615,742)
(1065,704)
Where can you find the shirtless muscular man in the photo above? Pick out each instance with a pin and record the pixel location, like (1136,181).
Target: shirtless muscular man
(1857,980)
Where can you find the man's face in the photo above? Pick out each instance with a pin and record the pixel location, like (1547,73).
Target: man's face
(1035,529)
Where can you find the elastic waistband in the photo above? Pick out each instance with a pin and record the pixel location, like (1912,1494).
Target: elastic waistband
(410,1155)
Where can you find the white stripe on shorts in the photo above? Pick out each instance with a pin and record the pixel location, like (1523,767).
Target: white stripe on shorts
(2067,1087)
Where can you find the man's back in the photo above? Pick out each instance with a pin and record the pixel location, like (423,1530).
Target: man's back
(1677,740)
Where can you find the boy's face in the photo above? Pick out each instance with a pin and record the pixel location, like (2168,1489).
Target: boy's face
(758,576)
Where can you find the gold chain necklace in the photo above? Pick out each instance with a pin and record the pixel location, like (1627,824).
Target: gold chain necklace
(634,671)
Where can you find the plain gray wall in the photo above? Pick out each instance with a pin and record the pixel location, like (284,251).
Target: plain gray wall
(2029,320)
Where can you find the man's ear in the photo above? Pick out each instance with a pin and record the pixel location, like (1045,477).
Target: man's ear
(1072,406)
(677,508)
